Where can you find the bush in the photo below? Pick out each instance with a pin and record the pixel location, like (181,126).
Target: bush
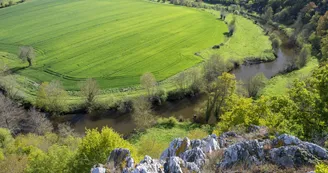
(2,156)
(56,159)
(321,168)
(167,122)
(96,147)
(5,137)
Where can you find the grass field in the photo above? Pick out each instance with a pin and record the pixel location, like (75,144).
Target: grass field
(155,140)
(113,41)
(249,41)
(279,85)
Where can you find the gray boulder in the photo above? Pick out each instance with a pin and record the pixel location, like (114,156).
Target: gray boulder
(192,167)
(316,150)
(211,144)
(176,148)
(291,156)
(119,155)
(224,139)
(196,156)
(148,165)
(247,151)
(208,144)
(99,168)
(174,165)
(284,140)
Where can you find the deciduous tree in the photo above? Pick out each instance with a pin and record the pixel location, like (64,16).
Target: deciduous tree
(148,82)
(26,53)
(142,114)
(255,84)
(38,123)
(90,90)
(221,92)
(52,97)
(213,68)
(268,15)
(10,114)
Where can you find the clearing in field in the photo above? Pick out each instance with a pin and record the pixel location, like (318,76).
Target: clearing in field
(113,41)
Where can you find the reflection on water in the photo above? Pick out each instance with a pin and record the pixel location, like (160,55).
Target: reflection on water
(122,124)
(269,69)
(185,108)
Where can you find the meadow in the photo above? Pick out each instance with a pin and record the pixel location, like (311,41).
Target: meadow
(248,42)
(113,41)
(279,85)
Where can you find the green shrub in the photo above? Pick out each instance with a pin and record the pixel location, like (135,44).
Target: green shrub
(5,137)
(56,159)
(167,122)
(321,168)
(96,146)
(2,156)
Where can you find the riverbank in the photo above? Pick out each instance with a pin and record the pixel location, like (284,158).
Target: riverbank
(183,109)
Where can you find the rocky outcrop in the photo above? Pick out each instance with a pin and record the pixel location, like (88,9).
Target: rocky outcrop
(246,151)
(99,168)
(118,155)
(176,148)
(184,155)
(147,165)
(291,156)
(284,151)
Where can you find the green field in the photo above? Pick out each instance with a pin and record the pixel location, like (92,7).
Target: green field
(113,41)
(248,42)
(279,85)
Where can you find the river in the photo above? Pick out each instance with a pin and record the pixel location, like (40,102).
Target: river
(185,108)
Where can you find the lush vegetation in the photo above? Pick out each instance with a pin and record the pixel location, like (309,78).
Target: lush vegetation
(301,112)
(155,140)
(115,44)
(304,21)
(57,153)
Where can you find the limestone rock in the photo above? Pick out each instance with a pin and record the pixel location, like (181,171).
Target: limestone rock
(224,139)
(196,156)
(316,150)
(176,148)
(192,167)
(149,165)
(285,139)
(99,168)
(174,165)
(208,144)
(118,155)
(290,156)
(249,151)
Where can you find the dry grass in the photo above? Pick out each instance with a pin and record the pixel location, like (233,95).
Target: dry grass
(266,168)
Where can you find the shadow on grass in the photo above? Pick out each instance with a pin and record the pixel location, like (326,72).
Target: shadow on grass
(15,69)
(227,34)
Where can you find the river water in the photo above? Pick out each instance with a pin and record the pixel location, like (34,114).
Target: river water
(185,108)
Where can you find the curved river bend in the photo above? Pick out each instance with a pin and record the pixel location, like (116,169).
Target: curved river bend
(185,108)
